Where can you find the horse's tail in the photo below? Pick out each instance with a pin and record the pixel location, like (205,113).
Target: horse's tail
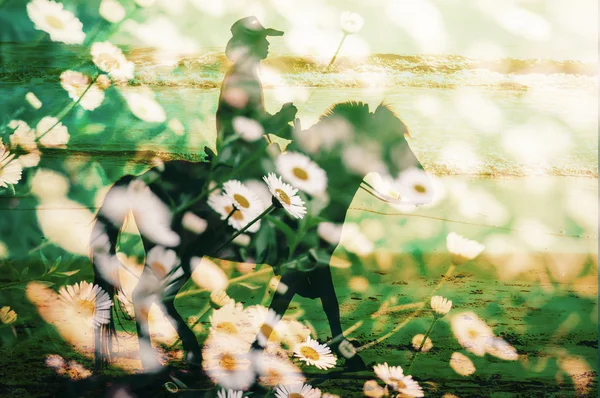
(103,244)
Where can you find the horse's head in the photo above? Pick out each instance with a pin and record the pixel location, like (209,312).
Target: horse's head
(365,142)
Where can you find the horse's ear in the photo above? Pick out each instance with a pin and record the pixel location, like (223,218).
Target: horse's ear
(389,121)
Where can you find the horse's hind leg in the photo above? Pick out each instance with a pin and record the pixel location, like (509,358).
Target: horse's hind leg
(285,292)
(322,281)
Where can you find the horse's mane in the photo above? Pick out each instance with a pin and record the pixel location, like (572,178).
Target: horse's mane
(358,114)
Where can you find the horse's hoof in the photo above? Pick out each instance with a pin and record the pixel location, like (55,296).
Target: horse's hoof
(194,359)
(355,364)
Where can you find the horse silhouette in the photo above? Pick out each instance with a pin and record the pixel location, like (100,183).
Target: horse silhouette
(347,142)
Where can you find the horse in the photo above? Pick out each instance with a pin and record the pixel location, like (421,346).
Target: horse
(160,198)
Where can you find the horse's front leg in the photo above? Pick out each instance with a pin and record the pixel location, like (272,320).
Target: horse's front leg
(143,296)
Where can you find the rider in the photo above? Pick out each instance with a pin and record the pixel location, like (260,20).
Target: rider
(241,91)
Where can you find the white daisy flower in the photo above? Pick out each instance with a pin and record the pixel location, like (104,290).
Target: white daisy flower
(103,81)
(230,320)
(33,100)
(23,135)
(315,354)
(286,196)
(268,327)
(162,261)
(372,389)
(330,232)
(10,168)
(273,370)
(226,362)
(110,59)
(249,129)
(462,249)
(229,394)
(193,223)
(390,375)
(112,11)
(471,332)
(260,189)
(243,198)
(461,364)
(208,275)
(407,387)
(418,340)
(440,306)
(58,136)
(351,22)
(144,106)
(304,174)
(30,159)
(290,333)
(223,205)
(86,302)
(355,241)
(7,316)
(297,391)
(414,185)
(498,347)
(76,84)
(53,19)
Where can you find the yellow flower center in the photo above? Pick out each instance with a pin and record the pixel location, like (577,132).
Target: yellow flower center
(266,330)
(54,22)
(295,395)
(85,308)
(227,327)
(300,173)
(159,269)
(273,377)
(310,353)
(228,362)
(399,383)
(472,333)
(237,215)
(420,188)
(242,201)
(283,197)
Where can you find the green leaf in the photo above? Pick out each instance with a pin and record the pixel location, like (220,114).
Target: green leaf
(24,272)
(44,260)
(68,273)
(280,225)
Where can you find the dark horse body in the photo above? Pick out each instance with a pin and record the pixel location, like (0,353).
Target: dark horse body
(176,182)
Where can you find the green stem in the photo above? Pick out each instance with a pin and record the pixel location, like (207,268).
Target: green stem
(68,109)
(412,361)
(336,52)
(241,231)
